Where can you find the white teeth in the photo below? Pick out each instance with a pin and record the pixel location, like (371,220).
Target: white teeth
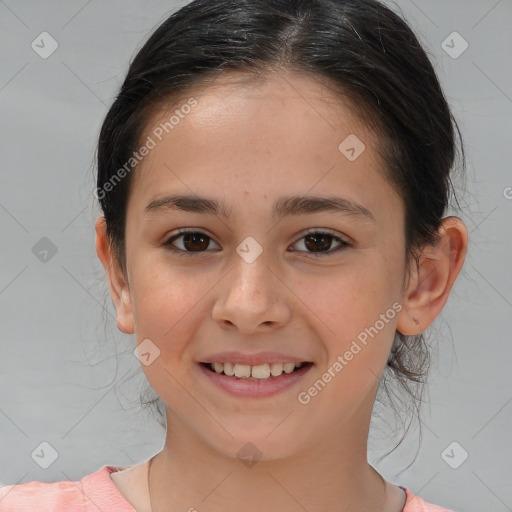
(218,367)
(229,369)
(262,371)
(276,369)
(242,370)
(288,367)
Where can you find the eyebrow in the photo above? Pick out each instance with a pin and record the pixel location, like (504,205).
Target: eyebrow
(284,206)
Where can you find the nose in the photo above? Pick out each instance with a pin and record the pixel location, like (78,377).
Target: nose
(252,298)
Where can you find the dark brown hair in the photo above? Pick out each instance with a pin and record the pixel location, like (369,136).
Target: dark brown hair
(360,48)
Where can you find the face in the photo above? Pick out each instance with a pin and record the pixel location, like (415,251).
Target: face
(269,269)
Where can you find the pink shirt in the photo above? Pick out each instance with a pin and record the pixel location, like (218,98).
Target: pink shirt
(97,491)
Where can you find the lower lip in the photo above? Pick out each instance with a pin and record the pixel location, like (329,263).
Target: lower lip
(255,388)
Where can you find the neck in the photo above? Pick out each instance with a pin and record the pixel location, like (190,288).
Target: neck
(326,475)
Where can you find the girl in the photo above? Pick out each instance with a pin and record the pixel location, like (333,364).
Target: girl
(273,177)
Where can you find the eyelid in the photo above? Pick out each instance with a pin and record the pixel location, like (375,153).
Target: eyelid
(326,231)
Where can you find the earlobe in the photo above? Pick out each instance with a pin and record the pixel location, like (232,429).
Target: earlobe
(118,285)
(432,278)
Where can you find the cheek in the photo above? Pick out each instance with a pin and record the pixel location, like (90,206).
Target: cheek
(360,317)
(353,306)
(350,298)
(164,301)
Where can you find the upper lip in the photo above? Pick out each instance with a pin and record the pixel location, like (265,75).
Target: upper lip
(254,359)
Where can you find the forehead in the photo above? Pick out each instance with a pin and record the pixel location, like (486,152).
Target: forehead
(281,100)
(281,133)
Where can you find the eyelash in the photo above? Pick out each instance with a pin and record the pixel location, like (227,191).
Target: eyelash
(181,252)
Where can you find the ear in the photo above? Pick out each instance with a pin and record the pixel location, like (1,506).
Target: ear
(118,284)
(431,280)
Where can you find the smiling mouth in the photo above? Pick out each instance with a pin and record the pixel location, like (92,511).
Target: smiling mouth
(257,373)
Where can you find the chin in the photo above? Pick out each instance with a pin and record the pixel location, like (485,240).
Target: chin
(254,446)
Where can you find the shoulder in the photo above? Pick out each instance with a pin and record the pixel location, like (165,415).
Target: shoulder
(45,496)
(414,503)
(90,493)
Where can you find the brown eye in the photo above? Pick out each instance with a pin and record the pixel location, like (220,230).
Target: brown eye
(191,242)
(319,242)
(195,242)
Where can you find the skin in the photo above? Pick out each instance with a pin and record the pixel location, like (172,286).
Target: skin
(248,145)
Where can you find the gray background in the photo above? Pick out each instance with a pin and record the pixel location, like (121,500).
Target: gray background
(60,380)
